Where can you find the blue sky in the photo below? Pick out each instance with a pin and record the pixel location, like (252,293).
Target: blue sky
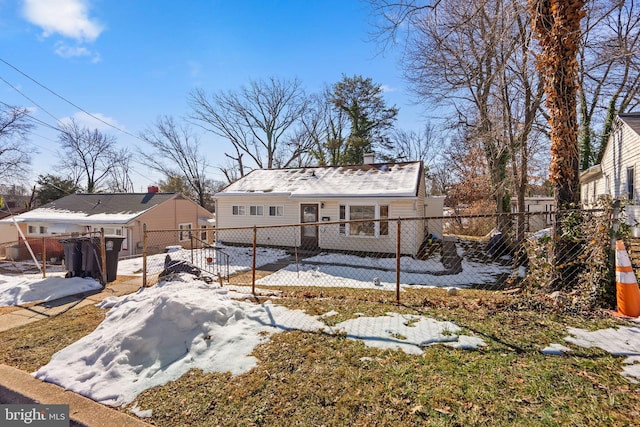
(129,62)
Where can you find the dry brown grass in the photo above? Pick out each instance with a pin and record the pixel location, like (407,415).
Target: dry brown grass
(318,379)
(305,378)
(31,346)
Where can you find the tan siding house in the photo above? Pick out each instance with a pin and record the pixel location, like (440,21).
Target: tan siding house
(324,196)
(120,214)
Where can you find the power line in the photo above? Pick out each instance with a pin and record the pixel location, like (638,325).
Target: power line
(72,104)
(69,102)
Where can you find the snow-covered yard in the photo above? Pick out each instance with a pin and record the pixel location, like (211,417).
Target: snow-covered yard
(342,270)
(159,333)
(240,259)
(333,269)
(20,288)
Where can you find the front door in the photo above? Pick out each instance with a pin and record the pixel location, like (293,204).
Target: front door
(309,233)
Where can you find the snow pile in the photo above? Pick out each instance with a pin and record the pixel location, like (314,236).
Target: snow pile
(160,333)
(17,290)
(157,334)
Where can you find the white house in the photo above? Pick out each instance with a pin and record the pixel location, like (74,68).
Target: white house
(381,192)
(615,176)
(536,206)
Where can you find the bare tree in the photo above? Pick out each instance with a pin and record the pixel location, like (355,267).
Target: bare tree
(89,155)
(176,153)
(475,57)
(258,120)
(15,153)
(119,180)
(327,127)
(608,72)
(412,145)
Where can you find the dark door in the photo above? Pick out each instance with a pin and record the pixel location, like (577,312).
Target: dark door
(309,233)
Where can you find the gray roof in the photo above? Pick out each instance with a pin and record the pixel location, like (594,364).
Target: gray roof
(109,203)
(632,120)
(99,208)
(370,180)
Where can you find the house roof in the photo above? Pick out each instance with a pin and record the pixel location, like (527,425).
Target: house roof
(632,120)
(100,208)
(371,180)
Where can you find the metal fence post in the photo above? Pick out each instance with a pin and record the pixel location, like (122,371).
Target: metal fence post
(103,256)
(144,255)
(398,245)
(253,266)
(44,258)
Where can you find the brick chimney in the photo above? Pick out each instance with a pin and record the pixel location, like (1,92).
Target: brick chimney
(152,189)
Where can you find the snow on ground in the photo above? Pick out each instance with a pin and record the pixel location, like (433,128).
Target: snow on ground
(25,288)
(340,270)
(240,259)
(622,341)
(159,333)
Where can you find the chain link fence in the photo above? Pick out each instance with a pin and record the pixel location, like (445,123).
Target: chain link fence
(492,252)
(69,255)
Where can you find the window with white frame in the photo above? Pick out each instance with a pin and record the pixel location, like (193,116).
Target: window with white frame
(276,210)
(237,210)
(185,233)
(110,231)
(360,214)
(256,210)
(43,230)
(32,229)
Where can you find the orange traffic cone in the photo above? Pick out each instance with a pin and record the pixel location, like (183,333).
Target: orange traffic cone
(627,292)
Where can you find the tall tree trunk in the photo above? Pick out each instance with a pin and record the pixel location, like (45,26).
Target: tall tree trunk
(557,27)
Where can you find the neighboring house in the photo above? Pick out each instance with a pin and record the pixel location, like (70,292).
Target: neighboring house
(534,205)
(120,214)
(384,192)
(615,176)
(8,231)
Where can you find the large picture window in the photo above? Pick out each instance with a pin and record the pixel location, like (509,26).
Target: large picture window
(365,228)
(361,227)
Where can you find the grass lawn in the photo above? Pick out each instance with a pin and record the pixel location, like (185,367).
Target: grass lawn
(318,379)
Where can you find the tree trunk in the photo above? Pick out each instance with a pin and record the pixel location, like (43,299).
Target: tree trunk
(557,27)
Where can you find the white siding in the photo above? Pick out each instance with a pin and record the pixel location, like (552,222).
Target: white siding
(328,236)
(623,151)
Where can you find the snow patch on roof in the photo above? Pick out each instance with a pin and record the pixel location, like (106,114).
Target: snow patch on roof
(66,216)
(379,180)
